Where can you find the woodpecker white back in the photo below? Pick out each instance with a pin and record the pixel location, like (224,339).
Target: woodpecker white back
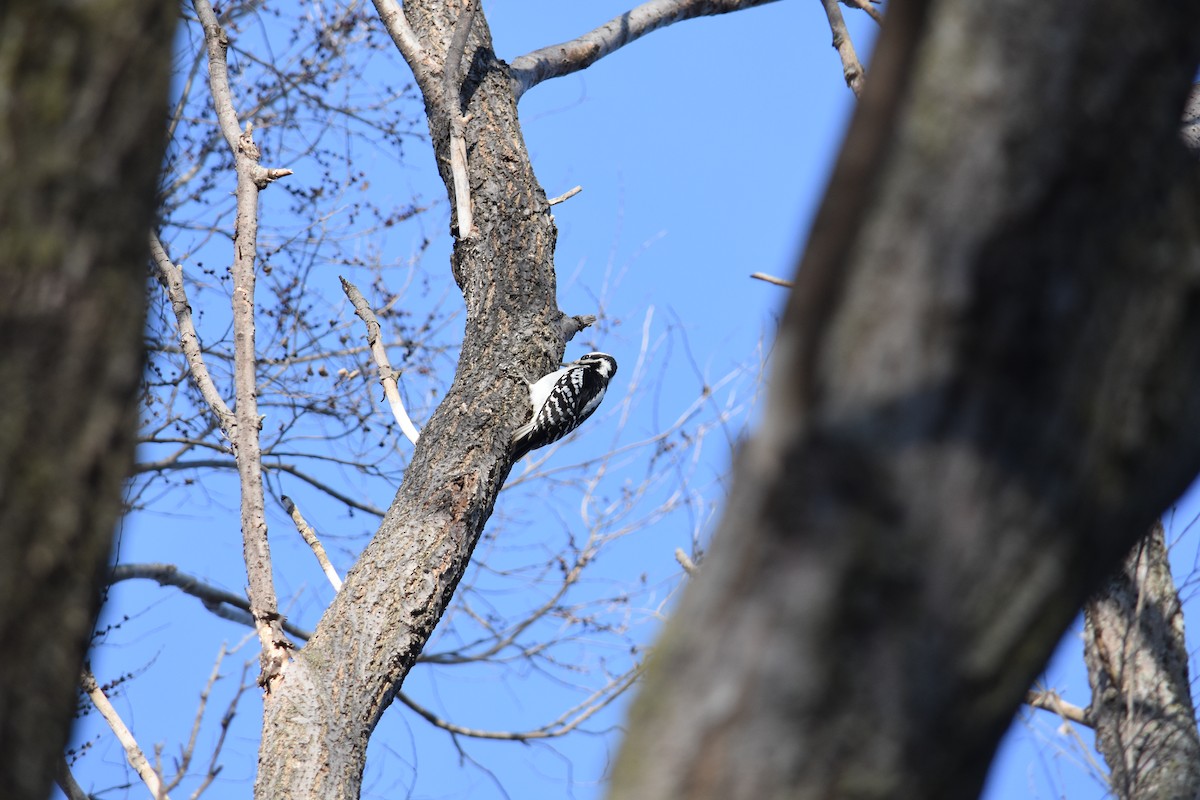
(562,400)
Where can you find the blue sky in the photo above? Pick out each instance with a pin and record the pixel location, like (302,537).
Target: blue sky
(702,151)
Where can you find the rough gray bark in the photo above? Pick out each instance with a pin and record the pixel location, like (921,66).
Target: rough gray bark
(82,130)
(984,388)
(1138,667)
(329,698)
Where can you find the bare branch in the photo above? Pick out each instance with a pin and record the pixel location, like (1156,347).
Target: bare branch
(852,70)
(66,781)
(218,73)
(1049,700)
(133,753)
(762,276)
(562,59)
(567,195)
(387,375)
(170,275)
(688,565)
(406,41)
(217,44)
(220,602)
(573,325)
(185,756)
(865,5)
(566,723)
(213,768)
(310,537)
(251,178)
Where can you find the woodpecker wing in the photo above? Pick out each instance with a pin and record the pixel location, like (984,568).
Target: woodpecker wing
(571,395)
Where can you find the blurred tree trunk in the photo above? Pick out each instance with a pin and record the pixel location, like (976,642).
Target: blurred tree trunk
(1137,665)
(983,390)
(82,130)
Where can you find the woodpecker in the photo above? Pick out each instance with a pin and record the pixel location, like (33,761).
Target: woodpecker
(562,400)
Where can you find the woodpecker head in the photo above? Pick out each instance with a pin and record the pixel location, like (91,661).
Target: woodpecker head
(603,363)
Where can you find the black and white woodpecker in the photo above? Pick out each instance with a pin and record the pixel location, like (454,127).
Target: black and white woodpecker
(562,400)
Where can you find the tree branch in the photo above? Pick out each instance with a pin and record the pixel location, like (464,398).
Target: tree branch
(251,178)
(567,195)
(406,41)
(66,781)
(1049,700)
(220,602)
(170,276)
(387,375)
(762,276)
(562,59)
(865,5)
(566,723)
(133,753)
(852,70)
(310,537)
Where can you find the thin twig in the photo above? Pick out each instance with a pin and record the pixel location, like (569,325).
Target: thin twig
(189,750)
(133,753)
(214,768)
(220,602)
(562,59)
(170,275)
(387,375)
(762,276)
(566,723)
(567,195)
(310,536)
(865,5)
(852,70)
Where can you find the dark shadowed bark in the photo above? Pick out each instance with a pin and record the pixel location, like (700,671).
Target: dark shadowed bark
(82,131)
(984,389)
(1137,665)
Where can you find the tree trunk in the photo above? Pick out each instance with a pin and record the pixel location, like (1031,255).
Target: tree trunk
(332,694)
(984,389)
(83,90)
(1137,665)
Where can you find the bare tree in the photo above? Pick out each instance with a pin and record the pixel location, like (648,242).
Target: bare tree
(257,375)
(928,352)
(983,392)
(81,137)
